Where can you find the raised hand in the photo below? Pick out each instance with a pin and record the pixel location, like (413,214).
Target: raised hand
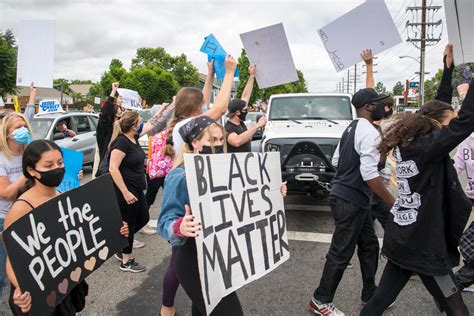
(367,56)
(252,69)
(210,66)
(448,52)
(230,64)
(115,86)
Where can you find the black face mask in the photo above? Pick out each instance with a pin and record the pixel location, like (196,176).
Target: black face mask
(379,112)
(51,178)
(207,150)
(242,115)
(388,113)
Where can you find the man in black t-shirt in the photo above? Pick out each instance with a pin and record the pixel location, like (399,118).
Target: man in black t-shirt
(238,136)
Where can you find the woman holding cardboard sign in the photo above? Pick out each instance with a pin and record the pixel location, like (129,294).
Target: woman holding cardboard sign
(176,222)
(43,168)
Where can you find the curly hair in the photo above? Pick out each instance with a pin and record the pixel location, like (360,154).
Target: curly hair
(407,126)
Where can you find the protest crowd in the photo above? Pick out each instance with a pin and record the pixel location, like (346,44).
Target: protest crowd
(424,226)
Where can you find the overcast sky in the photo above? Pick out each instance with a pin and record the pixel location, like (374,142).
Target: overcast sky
(90,33)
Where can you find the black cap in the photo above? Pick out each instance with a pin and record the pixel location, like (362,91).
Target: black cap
(366,96)
(193,128)
(235,105)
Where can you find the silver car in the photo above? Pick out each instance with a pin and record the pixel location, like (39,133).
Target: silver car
(83,123)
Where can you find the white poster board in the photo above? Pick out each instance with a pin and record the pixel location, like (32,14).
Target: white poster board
(237,199)
(35,61)
(460,23)
(130,99)
(369,25)
(269,50)
(96,100)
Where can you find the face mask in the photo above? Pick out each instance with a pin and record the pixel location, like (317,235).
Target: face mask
(242,115)
(207,150)
(21,135)
(140,128)
(388,114)
(379,112)
(51,178)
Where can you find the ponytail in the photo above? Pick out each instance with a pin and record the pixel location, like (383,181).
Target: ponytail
(168,150)
(116,131)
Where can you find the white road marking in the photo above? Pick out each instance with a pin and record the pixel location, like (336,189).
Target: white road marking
(298,236)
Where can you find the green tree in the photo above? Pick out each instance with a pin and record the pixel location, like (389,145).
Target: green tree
(398,89)
(380,88)
(7,63)
(154,85)
(293,87)
(431,85)
(66,89)
(185,72)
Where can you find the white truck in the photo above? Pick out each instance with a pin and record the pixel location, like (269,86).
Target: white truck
(306,128)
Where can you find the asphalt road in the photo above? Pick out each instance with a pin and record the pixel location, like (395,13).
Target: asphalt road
(285,291)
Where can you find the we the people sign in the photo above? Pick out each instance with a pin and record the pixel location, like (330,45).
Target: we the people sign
(238,201)
(58,244)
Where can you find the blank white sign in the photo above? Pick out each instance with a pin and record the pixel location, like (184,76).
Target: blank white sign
(369,25)
(36,53)
(460,22)
(268,49)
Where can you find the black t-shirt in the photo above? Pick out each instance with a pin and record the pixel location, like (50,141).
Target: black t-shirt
(132,166)
(238,129)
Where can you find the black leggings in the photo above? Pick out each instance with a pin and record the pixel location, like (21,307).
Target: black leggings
(187,272)
(394,279)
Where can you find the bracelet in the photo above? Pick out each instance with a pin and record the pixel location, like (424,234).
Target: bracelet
(176,228)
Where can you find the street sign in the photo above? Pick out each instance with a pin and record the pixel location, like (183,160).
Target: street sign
(414,84)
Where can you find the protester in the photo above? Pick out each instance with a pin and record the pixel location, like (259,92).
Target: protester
(189,103)
(428,218)
(238,136)
(43,169)
(263,106)
(176,223)
(61,127)
(464,161)
(126,168)
(156,143)
(14,135)
(357,176)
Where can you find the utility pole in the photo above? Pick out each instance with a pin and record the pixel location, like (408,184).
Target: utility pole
(424,26)
(343,86)
(348,79)
(355,78)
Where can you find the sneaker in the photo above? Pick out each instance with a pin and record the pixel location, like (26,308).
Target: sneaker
(138,244)
(469,289)
(132,266)
(148,230)
(325,309)
(118,256)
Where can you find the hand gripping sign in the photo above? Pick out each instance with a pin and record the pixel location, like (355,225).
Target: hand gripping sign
(237,199)
(58,244)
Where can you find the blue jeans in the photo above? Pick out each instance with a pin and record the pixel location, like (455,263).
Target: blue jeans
(3,259)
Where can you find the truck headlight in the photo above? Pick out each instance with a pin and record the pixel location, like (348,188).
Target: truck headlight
(272,147)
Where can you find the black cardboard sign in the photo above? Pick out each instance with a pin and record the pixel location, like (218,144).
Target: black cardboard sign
(59,243)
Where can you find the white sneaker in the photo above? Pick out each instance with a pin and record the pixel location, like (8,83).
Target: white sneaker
(469,289)
(148,230)
(138,244)
(324,309)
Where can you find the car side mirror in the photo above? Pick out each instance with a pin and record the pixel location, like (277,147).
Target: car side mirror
(58,136)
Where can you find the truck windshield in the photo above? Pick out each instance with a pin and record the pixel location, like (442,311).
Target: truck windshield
(40,127)
(311,107)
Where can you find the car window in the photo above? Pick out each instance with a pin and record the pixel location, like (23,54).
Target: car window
(66,120)
(305,107)
(95,120)
(92,123)
(82,124)
(40,127)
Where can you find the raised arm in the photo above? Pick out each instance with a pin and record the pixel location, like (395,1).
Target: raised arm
(207,89)
(30,106)
(445,89)
(368,59)
(222,99)
(247,93)
(158,122)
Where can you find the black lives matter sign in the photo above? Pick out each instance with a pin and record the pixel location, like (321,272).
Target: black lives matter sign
(237,198)
(58,244)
